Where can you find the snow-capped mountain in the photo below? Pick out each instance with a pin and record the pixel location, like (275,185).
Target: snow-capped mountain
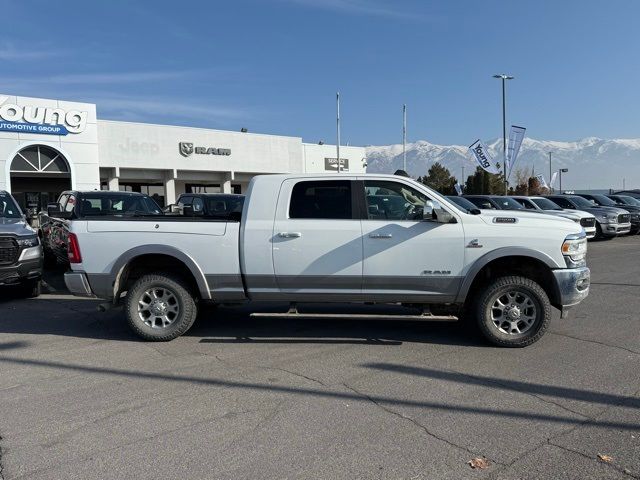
(593,163)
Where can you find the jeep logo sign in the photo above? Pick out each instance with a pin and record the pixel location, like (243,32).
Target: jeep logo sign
(47,120)
(187,148)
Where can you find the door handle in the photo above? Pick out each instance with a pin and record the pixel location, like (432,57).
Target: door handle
(380,235)
(289,234)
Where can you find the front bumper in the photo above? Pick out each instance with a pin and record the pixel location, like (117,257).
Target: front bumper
(78,284)
(28,267)
(572,286)
(612,229)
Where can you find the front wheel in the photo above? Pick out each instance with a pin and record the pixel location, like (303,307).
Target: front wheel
(160,307)
(513,312)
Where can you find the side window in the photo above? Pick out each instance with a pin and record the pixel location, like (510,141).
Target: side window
(393,201)
(527,204)
(564,203)
(71,203)
(321,199)
(198,204)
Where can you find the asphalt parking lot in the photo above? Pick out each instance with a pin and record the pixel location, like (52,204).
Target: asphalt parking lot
(244,398)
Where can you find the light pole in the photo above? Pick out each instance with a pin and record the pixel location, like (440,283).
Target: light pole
(560,172)
(504,78)
(549,171)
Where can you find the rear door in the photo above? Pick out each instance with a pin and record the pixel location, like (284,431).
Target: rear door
(317,241)
(407,258)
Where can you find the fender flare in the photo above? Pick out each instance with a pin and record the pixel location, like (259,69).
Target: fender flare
(125,259)
(496,254)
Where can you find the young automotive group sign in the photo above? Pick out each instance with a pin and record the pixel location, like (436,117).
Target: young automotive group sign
(44,120)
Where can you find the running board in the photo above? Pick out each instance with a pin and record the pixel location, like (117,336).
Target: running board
(428,318)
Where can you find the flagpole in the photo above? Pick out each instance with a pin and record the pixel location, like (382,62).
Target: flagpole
(338,131)
(404,137)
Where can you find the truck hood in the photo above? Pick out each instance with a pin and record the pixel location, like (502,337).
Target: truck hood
(599,210)
(524,217)
(15,226)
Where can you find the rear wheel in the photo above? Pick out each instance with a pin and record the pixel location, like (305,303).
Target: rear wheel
(160,307)
(31,288)
(513,312)
(50,260)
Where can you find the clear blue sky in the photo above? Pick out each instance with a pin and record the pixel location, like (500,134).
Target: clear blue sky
(274,66)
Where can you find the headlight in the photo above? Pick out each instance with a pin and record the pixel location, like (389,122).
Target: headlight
(608,216)
(27,242)
(574,250)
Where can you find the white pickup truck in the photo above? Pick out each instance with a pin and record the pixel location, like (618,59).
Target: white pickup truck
(340,239)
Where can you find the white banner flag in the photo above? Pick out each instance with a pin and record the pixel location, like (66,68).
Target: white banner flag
(483,158)
(553,179)
(516,135)
(543,182)
(458,188)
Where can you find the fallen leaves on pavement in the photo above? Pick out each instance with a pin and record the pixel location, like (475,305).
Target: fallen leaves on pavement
(605,458)
(478,462)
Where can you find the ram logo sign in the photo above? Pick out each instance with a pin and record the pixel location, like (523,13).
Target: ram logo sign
(186,149)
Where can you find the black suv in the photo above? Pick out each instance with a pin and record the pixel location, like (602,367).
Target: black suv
(20,249)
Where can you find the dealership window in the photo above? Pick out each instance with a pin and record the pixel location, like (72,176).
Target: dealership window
(154,190)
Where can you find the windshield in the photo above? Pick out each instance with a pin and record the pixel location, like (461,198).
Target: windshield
(581,202)
(507,203)
(8,208)
(605,201)
(628,200)
(545,204)
(94,204)
(462,203)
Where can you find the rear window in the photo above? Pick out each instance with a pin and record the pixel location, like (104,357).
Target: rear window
(223,205)
(321,199)
(134,205)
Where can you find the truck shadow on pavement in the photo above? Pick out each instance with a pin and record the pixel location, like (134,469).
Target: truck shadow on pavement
(349,394)
(48,315)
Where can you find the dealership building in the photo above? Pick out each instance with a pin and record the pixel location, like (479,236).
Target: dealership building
(48,146)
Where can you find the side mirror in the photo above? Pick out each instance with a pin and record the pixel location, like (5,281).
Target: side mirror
(427,212)
(475,211)
(187,210)
(53,209)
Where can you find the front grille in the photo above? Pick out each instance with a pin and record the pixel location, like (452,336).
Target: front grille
(588,222)
(624,218)
(8,251)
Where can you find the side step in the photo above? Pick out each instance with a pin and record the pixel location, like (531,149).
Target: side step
(427,318)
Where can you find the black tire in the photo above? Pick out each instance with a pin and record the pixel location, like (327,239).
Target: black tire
(521,287)
(184,300)
(31,288)
(50,261)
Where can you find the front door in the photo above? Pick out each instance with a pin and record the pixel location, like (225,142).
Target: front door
(317,241)
(407,258)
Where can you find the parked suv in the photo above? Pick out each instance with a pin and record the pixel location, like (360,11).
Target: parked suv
(544,205)
(605,201)
(610,221)
(20,249)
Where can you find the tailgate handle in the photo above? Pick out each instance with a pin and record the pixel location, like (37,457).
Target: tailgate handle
(289,234)
(380,235)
